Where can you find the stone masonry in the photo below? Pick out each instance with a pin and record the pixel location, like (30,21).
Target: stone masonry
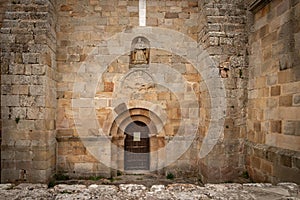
(274,75)
(216,82)
(28,89)
(222,32)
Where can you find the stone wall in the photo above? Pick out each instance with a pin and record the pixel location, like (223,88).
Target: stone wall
(273,98)
(82,34)
(28,91)
(67,76)
(81,28)
(3,7)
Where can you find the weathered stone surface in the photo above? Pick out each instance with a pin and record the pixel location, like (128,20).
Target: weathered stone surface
(6,186)
(69,188)
(65,69)
(133,191)
(270,38)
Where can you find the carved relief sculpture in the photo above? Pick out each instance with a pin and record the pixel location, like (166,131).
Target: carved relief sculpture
(140,51)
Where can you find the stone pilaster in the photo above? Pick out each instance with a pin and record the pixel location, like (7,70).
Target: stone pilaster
(28,91)
(222,33)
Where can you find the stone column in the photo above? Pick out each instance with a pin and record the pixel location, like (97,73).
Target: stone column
(28,91)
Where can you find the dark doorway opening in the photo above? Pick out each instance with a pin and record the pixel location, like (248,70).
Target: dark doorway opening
(137,146)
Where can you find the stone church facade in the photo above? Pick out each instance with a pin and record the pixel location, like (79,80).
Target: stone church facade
(206,88)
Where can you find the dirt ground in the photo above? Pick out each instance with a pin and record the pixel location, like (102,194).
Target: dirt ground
(143,179)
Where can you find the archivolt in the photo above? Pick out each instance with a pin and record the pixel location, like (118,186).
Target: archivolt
(151,119)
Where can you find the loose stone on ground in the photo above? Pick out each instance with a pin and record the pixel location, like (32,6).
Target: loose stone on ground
(252,191)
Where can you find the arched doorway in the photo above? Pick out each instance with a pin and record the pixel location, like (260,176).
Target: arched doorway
(136,146)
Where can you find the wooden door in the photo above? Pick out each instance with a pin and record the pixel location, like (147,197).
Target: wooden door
(136,147)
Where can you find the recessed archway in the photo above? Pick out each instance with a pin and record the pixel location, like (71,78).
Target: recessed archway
(124,123)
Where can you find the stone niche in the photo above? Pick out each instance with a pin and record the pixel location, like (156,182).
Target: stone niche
(140,52)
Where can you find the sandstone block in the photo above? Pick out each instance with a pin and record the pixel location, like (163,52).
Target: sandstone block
(276,126)
(275,90)
(31,58)
(271,80)
(18,112)
(41,165)
(83,167)
(289,113)
(24,155)
(20,89)
(40,175)
(9,174)
(35,113)
(16,69)
(260,82)
(291,128)
(38,69)
(171,15)
(37,90)
(290,88)
(296,99)
(285,76)
(285,100)
(10,100)
(286,160)
(26,100)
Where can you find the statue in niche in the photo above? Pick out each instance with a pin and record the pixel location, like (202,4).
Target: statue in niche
(140,52)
